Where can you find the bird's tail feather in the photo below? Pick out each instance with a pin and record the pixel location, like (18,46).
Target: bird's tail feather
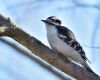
(88,68)
(88,60)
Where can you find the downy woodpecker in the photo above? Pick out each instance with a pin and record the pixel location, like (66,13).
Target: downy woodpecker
(62,40)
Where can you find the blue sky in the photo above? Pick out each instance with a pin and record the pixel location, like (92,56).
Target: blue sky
(82,17)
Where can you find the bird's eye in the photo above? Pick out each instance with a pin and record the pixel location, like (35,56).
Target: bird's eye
(57,21)
(53,20)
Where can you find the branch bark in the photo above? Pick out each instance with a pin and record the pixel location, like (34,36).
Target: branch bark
(7,28)
(34,58)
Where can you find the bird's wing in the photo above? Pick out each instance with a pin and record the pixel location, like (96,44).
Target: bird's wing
(65,32)
(68,37)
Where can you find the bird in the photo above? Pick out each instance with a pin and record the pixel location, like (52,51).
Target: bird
(62,40)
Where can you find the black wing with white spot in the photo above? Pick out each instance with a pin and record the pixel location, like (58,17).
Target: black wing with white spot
(67,36)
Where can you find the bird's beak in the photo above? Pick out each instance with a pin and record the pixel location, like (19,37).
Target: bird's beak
(44,20)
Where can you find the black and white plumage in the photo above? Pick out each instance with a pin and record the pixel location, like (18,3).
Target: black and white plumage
(62,40)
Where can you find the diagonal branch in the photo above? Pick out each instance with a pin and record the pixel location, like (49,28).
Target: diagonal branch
(32,57)
(58,60)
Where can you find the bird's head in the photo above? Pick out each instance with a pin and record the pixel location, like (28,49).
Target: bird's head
(52,20)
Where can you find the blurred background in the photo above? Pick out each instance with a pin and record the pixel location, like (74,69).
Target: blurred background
(81,16)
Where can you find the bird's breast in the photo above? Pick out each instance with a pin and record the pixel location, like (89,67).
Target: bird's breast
(58,44)
(62,47)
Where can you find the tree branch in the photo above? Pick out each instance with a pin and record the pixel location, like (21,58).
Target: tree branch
(7,28)
(34,58)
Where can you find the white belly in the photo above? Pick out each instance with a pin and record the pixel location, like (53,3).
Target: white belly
(59,45)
